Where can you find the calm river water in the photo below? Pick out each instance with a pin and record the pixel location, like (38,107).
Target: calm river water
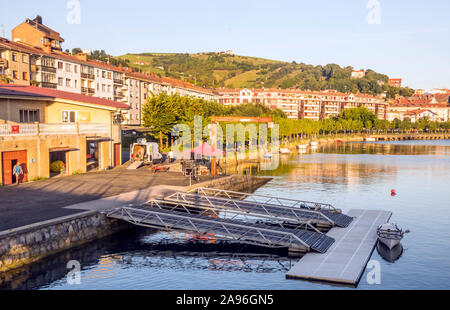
(347,175)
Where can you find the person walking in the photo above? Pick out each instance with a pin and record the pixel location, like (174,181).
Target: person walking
(18,171)
(171,156)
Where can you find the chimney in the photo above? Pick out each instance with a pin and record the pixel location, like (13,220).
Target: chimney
(38,19)
(47,48)
(82,56)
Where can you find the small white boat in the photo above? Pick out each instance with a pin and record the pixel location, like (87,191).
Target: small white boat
(314,143)
(284,150)
(390,235)
(302,146)
(370,139)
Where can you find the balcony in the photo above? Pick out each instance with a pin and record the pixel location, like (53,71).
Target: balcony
(118,81)
(87,90)
(87,76)
(47,85)
(46,69)
(17,130)
(3,63)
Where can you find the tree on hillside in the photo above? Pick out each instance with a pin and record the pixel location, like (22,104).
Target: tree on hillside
(76,51)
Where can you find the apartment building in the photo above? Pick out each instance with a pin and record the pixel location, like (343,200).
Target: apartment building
(132,91)
(15,64)
(34,33)
(39,126)
(435,107)
(297,104)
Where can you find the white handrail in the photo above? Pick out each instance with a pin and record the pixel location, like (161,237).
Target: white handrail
(52,129)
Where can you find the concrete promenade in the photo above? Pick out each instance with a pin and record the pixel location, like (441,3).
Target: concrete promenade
(43,200)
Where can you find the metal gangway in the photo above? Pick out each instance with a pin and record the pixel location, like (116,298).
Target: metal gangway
(239,208)
(279,208)
(169,215)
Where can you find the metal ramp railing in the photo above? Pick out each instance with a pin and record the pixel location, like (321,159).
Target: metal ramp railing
(329,212)
(154,214)
(293,216)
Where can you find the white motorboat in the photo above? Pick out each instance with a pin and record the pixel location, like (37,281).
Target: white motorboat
(302,146)
(284,150)
(370,139)
(390,235)
(314,143)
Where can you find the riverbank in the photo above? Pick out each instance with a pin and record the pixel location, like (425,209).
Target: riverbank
(32,225)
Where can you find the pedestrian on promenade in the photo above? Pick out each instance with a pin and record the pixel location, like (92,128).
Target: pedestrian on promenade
(171,156)
(18,171)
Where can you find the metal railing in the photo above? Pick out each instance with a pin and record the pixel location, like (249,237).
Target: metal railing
(231,208)
(265,199)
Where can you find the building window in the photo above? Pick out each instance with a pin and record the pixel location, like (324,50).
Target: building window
(76,83)
(15,75)
(75,69)
(68,116)
(103,87)
(103,74)
(14,56)
(60,81)
(98,73)
(98,86)
(109,75)
(60,65)
(24,59)
(24,76)
(29,116)
(68,82)
(109,88)
(68,67)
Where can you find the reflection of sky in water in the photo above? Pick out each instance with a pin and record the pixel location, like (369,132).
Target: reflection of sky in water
(349,177)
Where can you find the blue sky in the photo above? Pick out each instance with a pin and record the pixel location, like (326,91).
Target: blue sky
(411,41)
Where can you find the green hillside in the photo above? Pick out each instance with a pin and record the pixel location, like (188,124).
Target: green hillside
(234,71)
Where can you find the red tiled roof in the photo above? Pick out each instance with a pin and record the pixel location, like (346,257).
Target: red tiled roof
(23,47)
(32,91)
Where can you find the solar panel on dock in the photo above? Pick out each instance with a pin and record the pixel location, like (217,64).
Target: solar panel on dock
(260,234)
(346,259)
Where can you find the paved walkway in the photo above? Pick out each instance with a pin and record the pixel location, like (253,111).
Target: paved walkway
(34,202)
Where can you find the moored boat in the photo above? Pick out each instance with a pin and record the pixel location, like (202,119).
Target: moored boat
(302,146)
(284,150)
(370,139)
(390,255)
(390,234)
(314,143)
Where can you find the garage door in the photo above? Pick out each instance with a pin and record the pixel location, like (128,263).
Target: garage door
(9,159)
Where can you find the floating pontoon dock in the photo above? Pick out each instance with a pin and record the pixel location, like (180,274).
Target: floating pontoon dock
(346,259)
(340,256)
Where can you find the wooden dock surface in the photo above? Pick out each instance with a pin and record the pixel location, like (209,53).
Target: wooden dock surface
(346,260)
